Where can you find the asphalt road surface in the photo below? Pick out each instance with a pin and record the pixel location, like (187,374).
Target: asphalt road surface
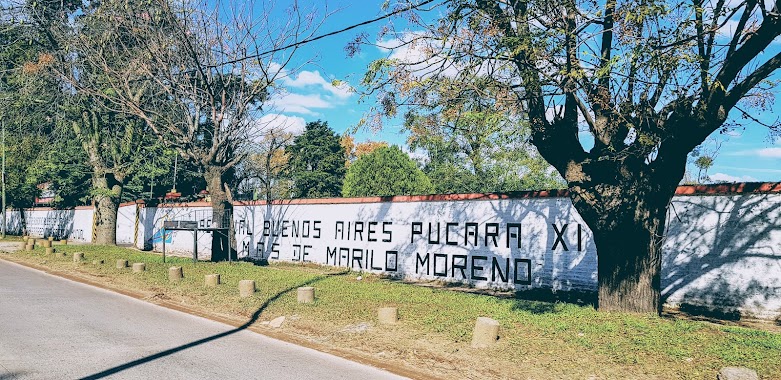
(52,328)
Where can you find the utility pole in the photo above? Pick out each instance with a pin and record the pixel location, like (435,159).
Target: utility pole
(176,162)
(3,180)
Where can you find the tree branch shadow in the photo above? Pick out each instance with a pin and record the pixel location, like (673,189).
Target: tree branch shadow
(719,256)
(171,351)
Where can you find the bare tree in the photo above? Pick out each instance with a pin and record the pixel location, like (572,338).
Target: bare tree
(186,74)
(266,167)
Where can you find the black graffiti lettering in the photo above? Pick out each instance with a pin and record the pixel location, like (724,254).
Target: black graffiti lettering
(329,254)
(527,272)
(417,229)
(447,233)
(470,230)
(395,261)
(440,256)
(316,228)
(371,231)
(305,228)
(274,251)
(461,267)
(516,235)
(388,233)
(492,231)
(430,240)
(422,262)
(358,231)
(478,268)
(305,254)
(344,253)
(371,261)
(339,230)
(266,228)
(296,252)
(284,228)
(357,256)
(496,268)
(559,236)
(295,228)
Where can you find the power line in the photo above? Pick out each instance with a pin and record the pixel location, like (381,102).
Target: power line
(312,39)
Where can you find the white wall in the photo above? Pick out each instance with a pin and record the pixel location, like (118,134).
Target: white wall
(721,251)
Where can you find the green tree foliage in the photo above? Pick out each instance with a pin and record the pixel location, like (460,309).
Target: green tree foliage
(27,106)
(64,166)
(386,171)
(317,162)
(471,146)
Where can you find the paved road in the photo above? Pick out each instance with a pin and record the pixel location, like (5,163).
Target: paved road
(52,328)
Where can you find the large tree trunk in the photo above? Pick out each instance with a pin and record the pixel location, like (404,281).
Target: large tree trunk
(630,262)
(627,215)
(108,192)
(221,212)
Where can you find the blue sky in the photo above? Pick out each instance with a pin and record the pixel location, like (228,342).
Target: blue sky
(746,154)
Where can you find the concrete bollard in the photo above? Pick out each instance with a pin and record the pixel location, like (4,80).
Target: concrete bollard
(46,243)
(59,254)
(51,238)
(306,294)
(78,256)
(485,333)
(22,246)
(737,373)
(97,262)
(29,247)
(139,267)
(175,274)
(121,264)
(64,242)
(49,251)
(388,315)
(246,288)
(212,279)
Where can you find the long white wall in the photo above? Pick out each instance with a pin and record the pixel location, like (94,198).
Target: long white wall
(721,251)
(62,224)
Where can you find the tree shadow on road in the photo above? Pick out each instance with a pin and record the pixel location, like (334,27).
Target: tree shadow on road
(171,351)
(12,375)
